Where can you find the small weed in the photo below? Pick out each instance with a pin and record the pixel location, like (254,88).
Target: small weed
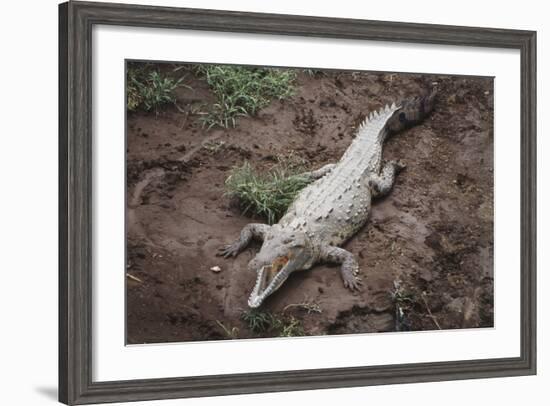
(242,91)
(309,307)
(313,72)
(265,194)
(213,147)
(149,89)
(230,333)
(135,74)
(403,301)
(263,322)
(290,328)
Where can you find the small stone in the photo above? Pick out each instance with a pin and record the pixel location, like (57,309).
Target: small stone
(216,269)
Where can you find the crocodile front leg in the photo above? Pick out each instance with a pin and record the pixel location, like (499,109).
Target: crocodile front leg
(349,268)
(381,185)
(250,231)
(319,173)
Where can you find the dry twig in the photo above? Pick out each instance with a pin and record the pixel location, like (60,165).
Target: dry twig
(134,278)
(429,311)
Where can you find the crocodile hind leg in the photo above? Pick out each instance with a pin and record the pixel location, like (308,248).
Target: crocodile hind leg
(349,266)
(250,231)
(381,185)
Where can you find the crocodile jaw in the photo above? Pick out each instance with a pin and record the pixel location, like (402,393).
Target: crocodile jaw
(263,287)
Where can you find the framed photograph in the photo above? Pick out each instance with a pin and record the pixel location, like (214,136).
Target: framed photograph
(259,202)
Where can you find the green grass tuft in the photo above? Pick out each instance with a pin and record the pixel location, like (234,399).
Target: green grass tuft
(149,90)
(265,194)
(257,321)
(242,91)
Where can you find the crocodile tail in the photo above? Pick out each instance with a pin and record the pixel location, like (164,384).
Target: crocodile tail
(411,112)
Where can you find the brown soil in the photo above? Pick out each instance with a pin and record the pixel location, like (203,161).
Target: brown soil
(432,236)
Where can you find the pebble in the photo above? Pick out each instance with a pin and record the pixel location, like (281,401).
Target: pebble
(216,269)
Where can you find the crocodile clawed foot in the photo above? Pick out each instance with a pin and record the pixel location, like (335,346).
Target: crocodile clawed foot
(351,280)
(353,284)
(231,250)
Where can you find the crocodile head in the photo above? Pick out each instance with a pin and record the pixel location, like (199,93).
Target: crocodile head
(281,254)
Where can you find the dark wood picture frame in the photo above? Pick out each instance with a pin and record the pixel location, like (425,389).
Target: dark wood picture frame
(76,20)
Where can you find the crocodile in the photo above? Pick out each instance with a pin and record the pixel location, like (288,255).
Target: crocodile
(332,208)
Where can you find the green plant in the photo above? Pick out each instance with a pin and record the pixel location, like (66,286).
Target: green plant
(257,320)
(265,194)
(149,90)
(242,91)
(262,321)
